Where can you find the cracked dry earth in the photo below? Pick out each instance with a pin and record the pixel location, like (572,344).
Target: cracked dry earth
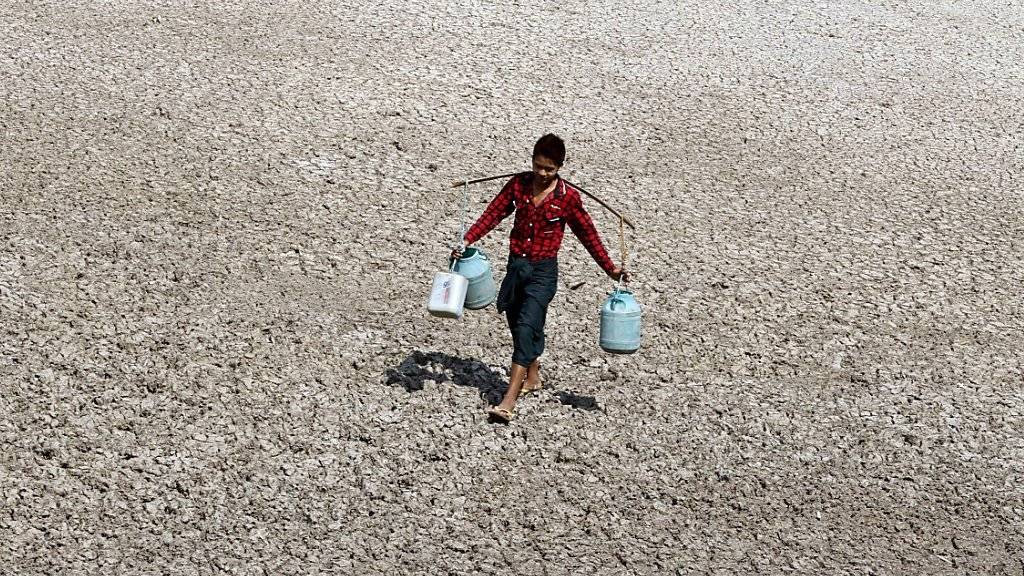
(219,224)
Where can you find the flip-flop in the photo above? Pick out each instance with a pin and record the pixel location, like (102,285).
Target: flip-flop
(526,391)
(501,414)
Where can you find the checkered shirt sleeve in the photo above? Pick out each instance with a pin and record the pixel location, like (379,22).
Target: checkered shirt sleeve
(583,227)
(496,211)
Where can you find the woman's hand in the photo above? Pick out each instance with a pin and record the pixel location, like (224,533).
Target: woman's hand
(619,274)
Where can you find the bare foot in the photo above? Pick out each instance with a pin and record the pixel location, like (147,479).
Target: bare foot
(506,410)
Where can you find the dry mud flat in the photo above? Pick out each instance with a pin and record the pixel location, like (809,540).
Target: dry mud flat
(219,223)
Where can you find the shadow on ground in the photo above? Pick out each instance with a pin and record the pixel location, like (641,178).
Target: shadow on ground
(577,401)
(421,369)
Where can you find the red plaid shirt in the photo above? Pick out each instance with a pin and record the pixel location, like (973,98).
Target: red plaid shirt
(537,231)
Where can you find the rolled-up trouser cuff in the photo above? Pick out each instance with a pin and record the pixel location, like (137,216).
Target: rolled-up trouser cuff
(527,344)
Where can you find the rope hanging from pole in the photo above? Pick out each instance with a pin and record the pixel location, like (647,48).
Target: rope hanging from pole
(622,241)
(465,211)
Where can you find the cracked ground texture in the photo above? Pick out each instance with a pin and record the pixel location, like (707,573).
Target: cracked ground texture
(219,222)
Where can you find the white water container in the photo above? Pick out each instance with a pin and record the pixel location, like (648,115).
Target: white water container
(447,295)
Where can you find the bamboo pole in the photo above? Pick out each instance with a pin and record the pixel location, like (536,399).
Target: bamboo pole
(595,198)
(487,179)
(602,203)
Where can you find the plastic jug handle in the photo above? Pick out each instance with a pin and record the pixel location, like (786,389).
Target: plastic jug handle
(454,261)
(614,299)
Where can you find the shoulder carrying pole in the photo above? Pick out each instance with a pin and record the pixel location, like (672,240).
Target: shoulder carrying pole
(595,198)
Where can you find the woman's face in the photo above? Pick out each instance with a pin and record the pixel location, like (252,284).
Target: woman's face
(544,169)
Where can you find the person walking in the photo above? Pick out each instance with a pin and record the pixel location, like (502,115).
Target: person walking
(543,204)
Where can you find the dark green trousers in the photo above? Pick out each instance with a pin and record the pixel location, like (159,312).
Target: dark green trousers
(524,296)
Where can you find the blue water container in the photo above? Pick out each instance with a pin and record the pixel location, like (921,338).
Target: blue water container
(620,322)
(476,268)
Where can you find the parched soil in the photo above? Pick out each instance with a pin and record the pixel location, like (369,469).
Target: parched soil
(219,222)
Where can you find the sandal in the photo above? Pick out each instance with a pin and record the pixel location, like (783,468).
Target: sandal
(501,414)
(540,384)
(525,391)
